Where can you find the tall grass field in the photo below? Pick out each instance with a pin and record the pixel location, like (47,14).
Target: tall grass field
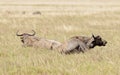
(59,20)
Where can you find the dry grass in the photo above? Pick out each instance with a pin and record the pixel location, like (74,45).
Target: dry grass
(60,24)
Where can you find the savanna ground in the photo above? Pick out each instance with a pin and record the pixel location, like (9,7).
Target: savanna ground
(59,21)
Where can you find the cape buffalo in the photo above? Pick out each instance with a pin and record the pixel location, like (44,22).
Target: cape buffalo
(81,44)
(31,40)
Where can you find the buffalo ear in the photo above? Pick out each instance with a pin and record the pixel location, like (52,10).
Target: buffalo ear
(93,36)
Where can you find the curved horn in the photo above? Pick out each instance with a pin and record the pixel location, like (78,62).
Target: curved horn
(18,34)
(33,33)
(93,36)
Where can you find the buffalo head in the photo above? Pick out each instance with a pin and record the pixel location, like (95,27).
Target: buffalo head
(97,41)
(24,36)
